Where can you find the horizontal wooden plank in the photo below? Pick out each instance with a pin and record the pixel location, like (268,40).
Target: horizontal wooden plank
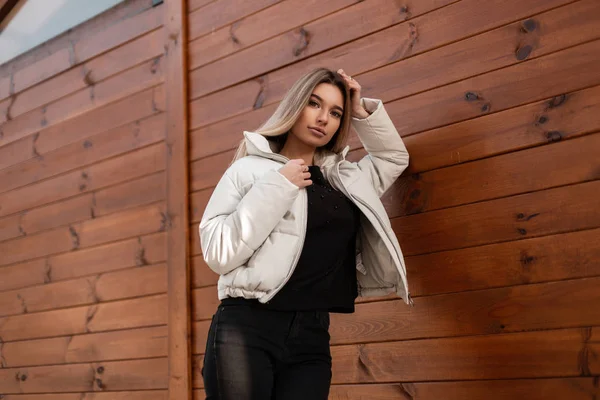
(129,109)
(146,190)
(540,354)
(531,389)
(543,259)
(523,308)
(105,376)
(85,152)
(202,275)
(529,215)
(566,163)
(140,251)
(200,336)
(143,76)
(219,13)
(433,31)
(94,347)
(551,75)
(110,172)
(89,73)
(541,122)
(123,314)
(128,283)
(206,172)
(257,27)
(86,47)
(113,227)
(336,29)
(193,5)
(198,201)
(225,135)
(138,395)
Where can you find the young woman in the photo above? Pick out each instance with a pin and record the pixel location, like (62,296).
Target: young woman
(296,231)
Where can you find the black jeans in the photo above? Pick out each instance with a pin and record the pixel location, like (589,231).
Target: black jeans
(253,353)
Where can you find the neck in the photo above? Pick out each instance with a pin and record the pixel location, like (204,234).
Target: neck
(295,149)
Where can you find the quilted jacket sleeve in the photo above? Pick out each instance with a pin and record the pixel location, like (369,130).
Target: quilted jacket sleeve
(387,157)
(234,226)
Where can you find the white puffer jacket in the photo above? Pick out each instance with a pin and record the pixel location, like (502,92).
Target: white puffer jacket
(253,228)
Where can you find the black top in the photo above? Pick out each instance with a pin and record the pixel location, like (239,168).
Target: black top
(325,276)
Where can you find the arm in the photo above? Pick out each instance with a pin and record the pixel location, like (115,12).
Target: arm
(233,227)
(387,157)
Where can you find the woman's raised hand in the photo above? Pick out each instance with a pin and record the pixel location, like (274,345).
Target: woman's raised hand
(296,171)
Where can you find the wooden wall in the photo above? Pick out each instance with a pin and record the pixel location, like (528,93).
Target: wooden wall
(499,104)
(83,304)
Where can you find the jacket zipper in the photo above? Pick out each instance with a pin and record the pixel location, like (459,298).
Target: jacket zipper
(356,199)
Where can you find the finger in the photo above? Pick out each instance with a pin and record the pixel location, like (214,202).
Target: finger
(305,183)
(306,175)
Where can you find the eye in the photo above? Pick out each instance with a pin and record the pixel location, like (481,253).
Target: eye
(313,103)
(336,114)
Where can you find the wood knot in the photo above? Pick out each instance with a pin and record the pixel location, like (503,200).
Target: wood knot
(470,96)
(523,52)
(87,144)
(526,259)
(522,231)
(415,193)
(100,384)
(303,42)
(100,370)
(542,120)
(529,25)
(554,136)
(557,101)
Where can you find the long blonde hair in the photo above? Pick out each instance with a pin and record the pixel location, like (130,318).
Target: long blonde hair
(277,127)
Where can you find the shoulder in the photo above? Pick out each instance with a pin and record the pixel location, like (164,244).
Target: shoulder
(248,169)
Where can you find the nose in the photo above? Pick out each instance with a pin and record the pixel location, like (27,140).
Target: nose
(323,117)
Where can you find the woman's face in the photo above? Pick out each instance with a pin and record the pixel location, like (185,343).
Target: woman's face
(321,118)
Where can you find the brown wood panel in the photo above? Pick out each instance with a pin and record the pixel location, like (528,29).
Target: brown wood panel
(177,207)
(100,119)
(540,354)
(85,152)
(33,73)
(193,5)
(118,345)
(348,24)
(204,303)
(90,73)
(22,275)
(439,29)
(202,275)
(195,240)
(123,314)
(200,336)
(411,71)
(4,87)
(549,258)
(529,215)
(138,395)
(206,172)
(110,172)
(545,121)
(105,376)
(552,75)
(258,27)
(146,190)
(217,14)
(134,80)
(113,227)
(572,161)
(135,252)
(522,308)
(224,135)
(9,227)
(83,291)
(531,389)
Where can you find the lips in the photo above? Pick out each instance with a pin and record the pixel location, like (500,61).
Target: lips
(316,131)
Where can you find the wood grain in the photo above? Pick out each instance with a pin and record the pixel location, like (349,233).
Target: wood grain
(524,216)
(123,314)
(133,165)
(105,376)
(257,27)
(137,395)
(92,347)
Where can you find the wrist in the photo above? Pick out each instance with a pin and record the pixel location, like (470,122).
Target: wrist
(360,113)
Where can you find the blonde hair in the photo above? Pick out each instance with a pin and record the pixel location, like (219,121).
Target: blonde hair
(276,128)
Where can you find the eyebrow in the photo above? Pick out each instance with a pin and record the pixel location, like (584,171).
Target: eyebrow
(321,100)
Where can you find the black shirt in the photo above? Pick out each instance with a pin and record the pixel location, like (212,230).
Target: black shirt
(325,276)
